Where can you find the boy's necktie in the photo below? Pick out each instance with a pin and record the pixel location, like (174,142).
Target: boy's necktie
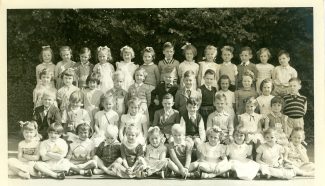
(188,93)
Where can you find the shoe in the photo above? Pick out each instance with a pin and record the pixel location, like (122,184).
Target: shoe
(162,174)
(88,173)
(71,173)
(60,176)
(197,174)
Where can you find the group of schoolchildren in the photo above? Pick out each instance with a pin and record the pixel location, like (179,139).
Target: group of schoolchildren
(186,120)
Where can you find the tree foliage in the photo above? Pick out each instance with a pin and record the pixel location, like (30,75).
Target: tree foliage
(274,28)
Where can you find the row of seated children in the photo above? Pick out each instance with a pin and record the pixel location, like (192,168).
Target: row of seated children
(130,158)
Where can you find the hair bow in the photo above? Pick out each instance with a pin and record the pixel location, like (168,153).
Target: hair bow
(149,49)
(125,47)
(23,123)
(70,69)
(100,48)
(186,44)
(44,47)
(153,128)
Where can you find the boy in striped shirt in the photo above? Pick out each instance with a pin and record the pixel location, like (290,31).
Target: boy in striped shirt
(295,105)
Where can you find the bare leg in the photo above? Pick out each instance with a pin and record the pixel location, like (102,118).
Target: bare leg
(41,167)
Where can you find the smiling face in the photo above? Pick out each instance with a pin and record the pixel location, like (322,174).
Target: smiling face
(267,89)
(47,101)
(250,108)
(264,57)
(178,136)
(294,87)
(297,138)
(227,56)
(270,138)
(239,138)
(220,104)
(102,57)
(47,56)
(284,60)
(131,136)
(154,139)
(127,56)
(188,81)
(84,58)
(53,136)
(139,76)
(65,55)
(92,85)
(107,104)
(169,53)
(213,139)
(133,109)
(224,83)
(168,103)
(169,78)
(29,134)
(83,135)
(147,57)
(210,55)
(189,55)
(192,108)
(247,81)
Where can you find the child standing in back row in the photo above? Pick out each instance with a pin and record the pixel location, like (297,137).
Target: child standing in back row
(127,66)
(245,66)
(168,62)
(264,69)
(153,74)
(228,68)
(189,52)
(61,66)
(282,74)
(84,68)
(209,63)
(46,57)
(104,68)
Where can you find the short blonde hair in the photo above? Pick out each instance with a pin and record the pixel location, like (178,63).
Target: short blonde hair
(178,128)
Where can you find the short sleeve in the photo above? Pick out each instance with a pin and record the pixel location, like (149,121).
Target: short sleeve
(260,149)
(249,150)
(64,118)
(139,151)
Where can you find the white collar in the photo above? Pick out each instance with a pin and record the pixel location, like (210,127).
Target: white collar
(245,63)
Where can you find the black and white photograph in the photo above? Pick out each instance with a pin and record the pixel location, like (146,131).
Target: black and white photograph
(170,93)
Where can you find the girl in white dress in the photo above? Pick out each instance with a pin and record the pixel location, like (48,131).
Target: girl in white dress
(264,100)
(103,118)
(270,156)
(104,68)
(127,66)
(264,69)
(189,52)
(209,63)
(28,152)
(134,117)
(240,156)
(44,85)
(46,57)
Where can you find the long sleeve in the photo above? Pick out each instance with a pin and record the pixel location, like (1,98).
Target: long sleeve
(201,130)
